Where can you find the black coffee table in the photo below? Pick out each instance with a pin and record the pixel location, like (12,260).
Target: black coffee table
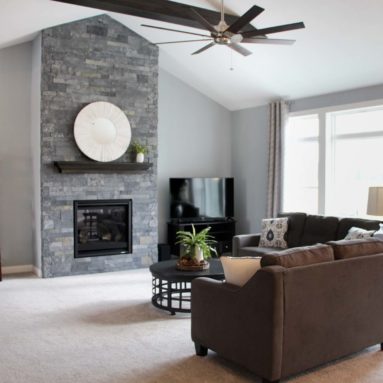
(172,287)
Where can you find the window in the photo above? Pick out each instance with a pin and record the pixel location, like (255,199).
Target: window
(330,159)
(300,186)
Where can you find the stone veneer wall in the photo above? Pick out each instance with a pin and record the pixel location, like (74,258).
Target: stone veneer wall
(96,59)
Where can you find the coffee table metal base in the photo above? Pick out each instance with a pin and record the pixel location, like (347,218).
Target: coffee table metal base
(171,288)
(174,297)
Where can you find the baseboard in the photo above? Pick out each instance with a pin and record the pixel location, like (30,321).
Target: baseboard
(37,271)
(18,269)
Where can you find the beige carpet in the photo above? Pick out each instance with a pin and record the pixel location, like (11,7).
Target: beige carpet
(103,329)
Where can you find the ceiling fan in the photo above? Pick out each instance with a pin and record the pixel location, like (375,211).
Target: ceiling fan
(233,35)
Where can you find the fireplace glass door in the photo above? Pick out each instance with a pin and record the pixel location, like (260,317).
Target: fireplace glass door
(102,227)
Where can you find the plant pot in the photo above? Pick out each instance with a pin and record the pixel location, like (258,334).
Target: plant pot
(198,254)
(183,251)
(140,157)
(190,265)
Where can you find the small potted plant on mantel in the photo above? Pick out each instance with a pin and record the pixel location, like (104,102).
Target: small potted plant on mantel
(196,249)
(140,151)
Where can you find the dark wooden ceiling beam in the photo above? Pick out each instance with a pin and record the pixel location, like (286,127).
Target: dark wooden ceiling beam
(162,10)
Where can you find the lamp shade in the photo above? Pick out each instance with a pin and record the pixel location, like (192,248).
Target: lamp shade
(375,201)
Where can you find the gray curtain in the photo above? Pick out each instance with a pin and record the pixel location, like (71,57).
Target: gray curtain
(278,118)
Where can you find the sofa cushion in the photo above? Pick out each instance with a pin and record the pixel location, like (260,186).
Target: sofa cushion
(358,233)
(274,232)
(251,251)
(299,256)
(346,223)
(238,270)
(319,229)
(296,224)
(344,249)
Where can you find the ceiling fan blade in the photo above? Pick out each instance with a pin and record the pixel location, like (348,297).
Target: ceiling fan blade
(251,14)
(203,21)
(204,48)
(173,30)
(268,41)
(279,28)
(183,41)
(243,51)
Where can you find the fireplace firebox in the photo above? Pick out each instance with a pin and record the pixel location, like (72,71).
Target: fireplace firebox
(102,227)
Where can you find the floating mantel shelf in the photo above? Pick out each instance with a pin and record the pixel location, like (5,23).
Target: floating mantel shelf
(100,167)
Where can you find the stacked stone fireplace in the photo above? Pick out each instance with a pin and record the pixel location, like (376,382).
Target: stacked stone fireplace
(96,59)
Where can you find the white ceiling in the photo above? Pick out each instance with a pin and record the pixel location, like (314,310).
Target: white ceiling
(341,47)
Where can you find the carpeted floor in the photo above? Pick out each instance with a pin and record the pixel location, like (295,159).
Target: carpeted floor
(102,328)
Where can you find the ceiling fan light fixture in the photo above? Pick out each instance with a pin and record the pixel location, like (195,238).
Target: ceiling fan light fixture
(222,40)
(236,39)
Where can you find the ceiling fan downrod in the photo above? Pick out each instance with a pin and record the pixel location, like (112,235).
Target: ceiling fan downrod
(222,26)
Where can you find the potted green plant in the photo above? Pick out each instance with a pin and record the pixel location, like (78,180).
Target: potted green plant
(140,151)
(196,248)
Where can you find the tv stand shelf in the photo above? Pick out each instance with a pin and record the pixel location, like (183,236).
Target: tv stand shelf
(222,231)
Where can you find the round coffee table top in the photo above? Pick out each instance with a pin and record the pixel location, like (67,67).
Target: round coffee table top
(166,270)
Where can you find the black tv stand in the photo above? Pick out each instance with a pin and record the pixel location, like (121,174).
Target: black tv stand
(222,230)
(196,220)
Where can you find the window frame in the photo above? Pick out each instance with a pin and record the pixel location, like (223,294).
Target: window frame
(324,142)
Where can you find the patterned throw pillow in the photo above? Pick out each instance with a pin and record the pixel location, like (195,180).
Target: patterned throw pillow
(358,233)
(274,233)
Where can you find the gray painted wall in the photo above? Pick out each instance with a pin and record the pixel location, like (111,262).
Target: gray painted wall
(35,103)
(15,156)
(194,139)
(249,161)
(340,98)
(250,150)
(185,116)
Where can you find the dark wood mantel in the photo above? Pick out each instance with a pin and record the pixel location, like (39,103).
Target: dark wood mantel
(100,167)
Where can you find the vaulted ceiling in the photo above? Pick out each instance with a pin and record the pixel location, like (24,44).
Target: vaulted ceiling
(340,49)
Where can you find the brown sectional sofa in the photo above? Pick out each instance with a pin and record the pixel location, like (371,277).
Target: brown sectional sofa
(303,230)
(320,303)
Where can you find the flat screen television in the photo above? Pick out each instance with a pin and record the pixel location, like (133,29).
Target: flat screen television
(200,199)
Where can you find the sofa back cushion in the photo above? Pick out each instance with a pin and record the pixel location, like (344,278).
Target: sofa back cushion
(345,224)
(296,224)
(319,229)
(344,249)
(300,256)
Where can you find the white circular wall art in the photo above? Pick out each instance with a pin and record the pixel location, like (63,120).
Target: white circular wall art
(102,131)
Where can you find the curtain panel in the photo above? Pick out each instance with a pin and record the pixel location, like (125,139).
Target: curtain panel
(278,112)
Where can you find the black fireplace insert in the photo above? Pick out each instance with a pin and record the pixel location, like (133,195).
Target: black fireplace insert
(102,227)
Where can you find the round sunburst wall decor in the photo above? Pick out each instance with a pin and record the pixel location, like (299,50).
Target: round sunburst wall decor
(102,131)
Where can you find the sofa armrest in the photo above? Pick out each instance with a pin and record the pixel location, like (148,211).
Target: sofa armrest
(242,324)
(245,240)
